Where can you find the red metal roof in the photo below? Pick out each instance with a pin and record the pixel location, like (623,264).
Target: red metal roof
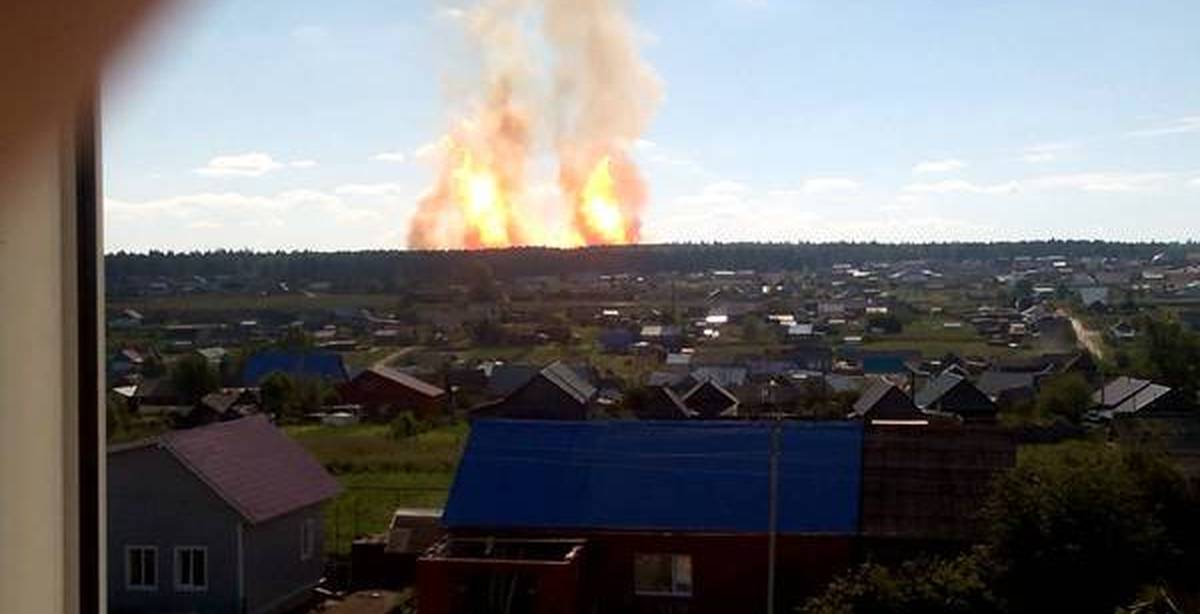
(406,380)
(253,466)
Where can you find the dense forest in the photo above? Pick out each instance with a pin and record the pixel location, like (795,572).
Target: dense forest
(384,270)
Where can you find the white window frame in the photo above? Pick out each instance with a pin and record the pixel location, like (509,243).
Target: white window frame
(129,550)
(189,587)
(308,538)
(679,588)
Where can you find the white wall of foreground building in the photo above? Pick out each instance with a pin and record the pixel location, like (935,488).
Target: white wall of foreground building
(39,392)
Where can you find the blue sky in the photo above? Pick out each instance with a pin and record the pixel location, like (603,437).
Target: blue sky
(300,124)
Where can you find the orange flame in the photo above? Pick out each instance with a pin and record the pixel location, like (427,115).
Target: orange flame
(485,206)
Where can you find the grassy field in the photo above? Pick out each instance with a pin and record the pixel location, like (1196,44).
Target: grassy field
(379,474)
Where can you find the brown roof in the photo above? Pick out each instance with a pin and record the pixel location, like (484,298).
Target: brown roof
(253,466)
(407,381)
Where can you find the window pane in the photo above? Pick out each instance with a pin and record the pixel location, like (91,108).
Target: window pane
(652,573)
(185,567)
(150,562)
(199,568)
(683,574)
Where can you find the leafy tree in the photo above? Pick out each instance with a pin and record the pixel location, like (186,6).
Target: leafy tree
(960,585)
(193,377)
(1075,528)
(405,425)
(276,393)
(1171,355)
(481,281)
(1065,396)
(290,398)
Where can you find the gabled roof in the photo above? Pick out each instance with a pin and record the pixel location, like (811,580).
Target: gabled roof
(652,475)
(726,376)
(252,466)
(883,399)
(565,378)
(406,380)
(1118,391)
(503,379)
(715,387)
(664,403)
(992,382)
(937,388)
(1143,398)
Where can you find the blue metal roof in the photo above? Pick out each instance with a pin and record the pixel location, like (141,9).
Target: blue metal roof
(325,365)
(656,475)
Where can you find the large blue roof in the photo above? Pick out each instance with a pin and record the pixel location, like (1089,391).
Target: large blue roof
(656,475)
(324,365)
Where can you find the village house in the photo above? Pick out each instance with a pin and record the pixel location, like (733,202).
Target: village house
(952,393)
(557,392)
(220,518)
(383,392)
(612,517)
(1128,396)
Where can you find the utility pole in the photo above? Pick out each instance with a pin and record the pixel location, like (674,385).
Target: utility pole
(773,510)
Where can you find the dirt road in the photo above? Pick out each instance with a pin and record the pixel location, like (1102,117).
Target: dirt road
(1087,339)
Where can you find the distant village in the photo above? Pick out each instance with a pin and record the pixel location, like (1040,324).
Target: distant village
(615,442)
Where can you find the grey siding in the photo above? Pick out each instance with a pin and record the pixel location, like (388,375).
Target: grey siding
(275,574)
(154,500)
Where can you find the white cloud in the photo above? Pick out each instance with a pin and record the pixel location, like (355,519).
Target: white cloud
(371,189)
(1045,152)
(939,166)
(430,149)
(390,156)
(819,185)
(950,186)
(644,144)
(1181,125)
(1195,183)
(252,164)
(1101,181)
(302,163)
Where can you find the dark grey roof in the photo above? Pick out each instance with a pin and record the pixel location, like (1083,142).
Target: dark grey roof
(568,380)
(1118,391)
(1142,399)
(937,388)
(253,466)
(505,379)
(872,396)
(992,382)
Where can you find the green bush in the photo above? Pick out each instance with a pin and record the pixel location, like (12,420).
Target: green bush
(959,585)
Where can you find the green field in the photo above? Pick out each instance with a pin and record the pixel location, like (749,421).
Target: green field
(379,474)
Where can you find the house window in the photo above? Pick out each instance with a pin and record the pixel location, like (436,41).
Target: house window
(191,568)
(662,574)
(308,538)
(141,568)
